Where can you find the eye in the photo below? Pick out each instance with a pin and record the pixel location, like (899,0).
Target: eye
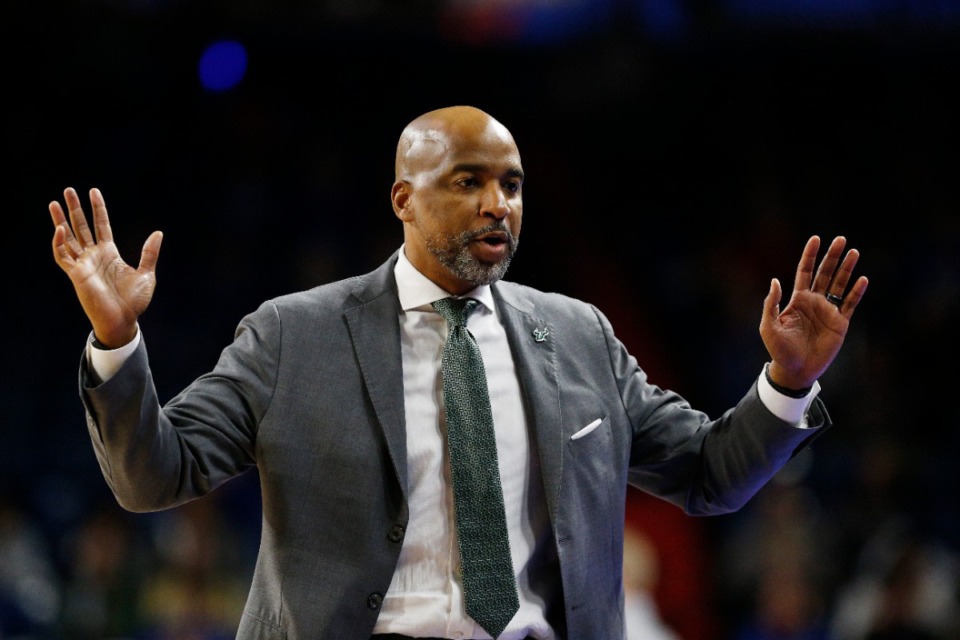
(513,186)
(467,182)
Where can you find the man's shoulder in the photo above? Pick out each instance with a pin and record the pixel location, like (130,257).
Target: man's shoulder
(344,292)
(539,302)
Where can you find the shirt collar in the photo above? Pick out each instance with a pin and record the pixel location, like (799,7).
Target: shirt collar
(416,290)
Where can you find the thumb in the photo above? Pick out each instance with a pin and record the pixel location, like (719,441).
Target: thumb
(151,251)
(771,303)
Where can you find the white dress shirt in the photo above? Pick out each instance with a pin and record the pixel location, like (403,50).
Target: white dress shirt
(425,597)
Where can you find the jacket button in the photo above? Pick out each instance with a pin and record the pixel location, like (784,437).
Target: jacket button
(396,533)
(374,600)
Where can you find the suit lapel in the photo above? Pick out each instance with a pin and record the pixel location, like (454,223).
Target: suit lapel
(375,330)
(533,347)
(374,327)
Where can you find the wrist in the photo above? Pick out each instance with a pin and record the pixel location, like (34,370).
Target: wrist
(114,341)
(788,391)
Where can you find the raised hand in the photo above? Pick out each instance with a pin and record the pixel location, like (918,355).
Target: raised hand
(806,336)
(112,293)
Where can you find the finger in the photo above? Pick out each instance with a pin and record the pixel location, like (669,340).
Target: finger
(828,266)
(101,221)
(67,241)
(844,273)
(56,213)
(62,253)
(771,303)
(807,262)
(78,219)
(854,297)
(151,252)
(59,220)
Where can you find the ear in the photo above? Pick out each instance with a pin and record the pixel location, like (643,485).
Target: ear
(400,196)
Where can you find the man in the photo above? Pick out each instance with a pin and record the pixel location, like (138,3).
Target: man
(334,395)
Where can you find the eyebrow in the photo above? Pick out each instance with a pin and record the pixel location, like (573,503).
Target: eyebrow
(480,168)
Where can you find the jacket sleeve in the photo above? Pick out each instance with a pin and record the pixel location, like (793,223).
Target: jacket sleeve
(155,457)
(705,466)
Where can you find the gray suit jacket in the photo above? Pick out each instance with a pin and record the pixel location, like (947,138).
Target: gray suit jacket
(311,394)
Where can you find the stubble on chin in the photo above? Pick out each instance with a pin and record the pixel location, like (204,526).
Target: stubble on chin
(453,252)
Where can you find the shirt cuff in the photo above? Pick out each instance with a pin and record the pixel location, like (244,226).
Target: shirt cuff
(106,362)
(792,410)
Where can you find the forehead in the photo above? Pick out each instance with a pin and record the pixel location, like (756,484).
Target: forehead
(487,144)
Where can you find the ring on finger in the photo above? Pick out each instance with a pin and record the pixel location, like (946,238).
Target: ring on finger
(834,299)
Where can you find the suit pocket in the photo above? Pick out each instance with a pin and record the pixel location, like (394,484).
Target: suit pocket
(587,430)
(592,441)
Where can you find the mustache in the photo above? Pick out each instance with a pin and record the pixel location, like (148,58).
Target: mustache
(499,226)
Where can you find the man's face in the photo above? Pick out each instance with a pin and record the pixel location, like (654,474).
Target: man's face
(465,206)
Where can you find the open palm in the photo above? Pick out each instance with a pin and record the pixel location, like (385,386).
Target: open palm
(113,294)
(805,337)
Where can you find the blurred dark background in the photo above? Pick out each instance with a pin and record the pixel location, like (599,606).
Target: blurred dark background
(678,155)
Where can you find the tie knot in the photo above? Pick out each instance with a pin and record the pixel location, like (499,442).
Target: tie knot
(455,310)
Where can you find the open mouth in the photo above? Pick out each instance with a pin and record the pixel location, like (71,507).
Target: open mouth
(494,239)
(492,246)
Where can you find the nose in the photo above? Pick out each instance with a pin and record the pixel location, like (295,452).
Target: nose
(494,202)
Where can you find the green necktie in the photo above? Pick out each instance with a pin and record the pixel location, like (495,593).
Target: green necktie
(489,586)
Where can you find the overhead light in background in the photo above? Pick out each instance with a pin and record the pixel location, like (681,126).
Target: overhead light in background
(222,65)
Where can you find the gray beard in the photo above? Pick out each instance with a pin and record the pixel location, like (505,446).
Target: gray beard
(453,253)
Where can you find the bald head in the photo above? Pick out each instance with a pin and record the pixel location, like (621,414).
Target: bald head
(458,192)
(432,136)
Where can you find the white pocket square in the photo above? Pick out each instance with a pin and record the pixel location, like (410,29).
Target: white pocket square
(587,429)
